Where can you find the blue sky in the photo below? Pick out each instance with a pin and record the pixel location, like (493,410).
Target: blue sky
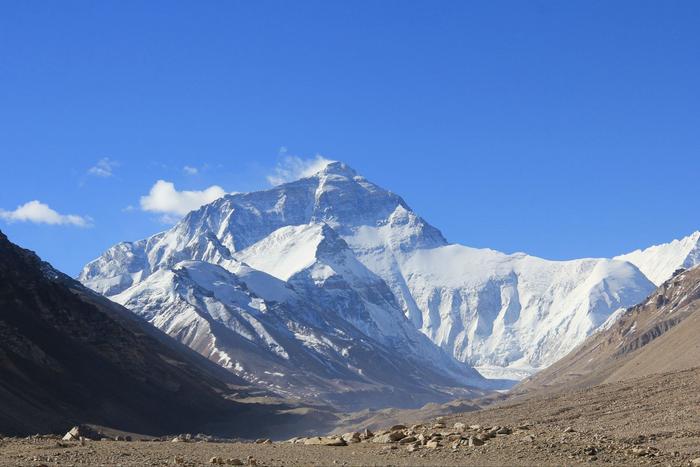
(563,129)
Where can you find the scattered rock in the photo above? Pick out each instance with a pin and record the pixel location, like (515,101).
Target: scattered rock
(459,426)
(84,431)
(353,437)
(528,439)
(504,431)
(569,429)
(475,441)
(695,462)
(216,460)
(179,460)
(234,462)
(333,441)
(438,426)
(263,441)
(397,427)
(414,447)
(382,439)
(432,444)
(475,427)
(590,450)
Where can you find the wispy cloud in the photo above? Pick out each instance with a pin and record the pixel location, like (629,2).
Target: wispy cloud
(40,213)
(104,168)
(190,170)
(165,199)
(291,168)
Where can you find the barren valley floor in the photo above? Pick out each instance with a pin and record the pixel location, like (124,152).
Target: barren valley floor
(653,420)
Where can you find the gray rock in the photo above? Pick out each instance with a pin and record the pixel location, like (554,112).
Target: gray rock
(475,441)
(353,437)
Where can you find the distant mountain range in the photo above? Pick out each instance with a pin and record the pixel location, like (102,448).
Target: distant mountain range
(331,287)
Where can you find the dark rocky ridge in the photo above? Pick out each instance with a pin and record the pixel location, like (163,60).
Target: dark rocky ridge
(69,356)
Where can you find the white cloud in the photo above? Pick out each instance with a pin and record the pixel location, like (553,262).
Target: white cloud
(40,213)
(292,168)
(190,170)
(104,168)
(165,199)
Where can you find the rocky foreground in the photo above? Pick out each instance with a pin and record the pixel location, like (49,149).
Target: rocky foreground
(653,421)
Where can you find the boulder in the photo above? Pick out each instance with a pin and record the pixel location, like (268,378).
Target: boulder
(333,441)
(382,439)
(353,437)
(475,441)
(81,431)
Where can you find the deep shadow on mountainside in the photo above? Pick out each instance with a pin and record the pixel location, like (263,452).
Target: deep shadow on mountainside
(70,356)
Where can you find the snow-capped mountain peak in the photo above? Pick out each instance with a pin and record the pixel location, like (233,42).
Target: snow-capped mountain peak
(659,262)
(338,242)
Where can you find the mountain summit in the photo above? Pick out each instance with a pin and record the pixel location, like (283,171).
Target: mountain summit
(333,257)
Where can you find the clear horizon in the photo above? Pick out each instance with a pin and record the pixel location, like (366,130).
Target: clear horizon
(561,130)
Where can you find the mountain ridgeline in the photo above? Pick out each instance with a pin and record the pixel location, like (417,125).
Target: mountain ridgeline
(332,288)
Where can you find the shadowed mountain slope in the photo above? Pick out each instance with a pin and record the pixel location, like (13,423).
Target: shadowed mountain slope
(69,356)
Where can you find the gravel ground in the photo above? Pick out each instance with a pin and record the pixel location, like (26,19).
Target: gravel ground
(654,421)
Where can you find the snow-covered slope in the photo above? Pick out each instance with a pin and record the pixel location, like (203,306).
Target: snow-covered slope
(659,262)
(331,331)
(346,246)
(510,315)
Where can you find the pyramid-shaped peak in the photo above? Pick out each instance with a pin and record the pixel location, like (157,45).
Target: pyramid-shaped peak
(338,168)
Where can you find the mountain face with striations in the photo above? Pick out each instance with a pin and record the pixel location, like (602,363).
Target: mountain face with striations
(69,356)
(331,286)
(658,335)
